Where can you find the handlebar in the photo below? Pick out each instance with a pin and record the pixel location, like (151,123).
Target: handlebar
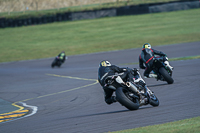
(160,58)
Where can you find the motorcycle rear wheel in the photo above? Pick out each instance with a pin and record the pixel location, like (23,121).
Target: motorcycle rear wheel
(166,75)
(125,100)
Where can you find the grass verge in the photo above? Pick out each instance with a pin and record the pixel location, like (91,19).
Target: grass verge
(106,34)
(183,126)
(172,59)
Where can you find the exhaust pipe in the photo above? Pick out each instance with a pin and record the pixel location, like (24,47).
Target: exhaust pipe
(132,87)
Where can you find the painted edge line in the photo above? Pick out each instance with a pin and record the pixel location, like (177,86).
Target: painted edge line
(34,111)
(14,104)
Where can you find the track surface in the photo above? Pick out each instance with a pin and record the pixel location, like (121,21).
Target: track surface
(82,109)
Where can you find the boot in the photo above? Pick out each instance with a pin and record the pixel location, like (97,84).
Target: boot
(152,75)
(113,98)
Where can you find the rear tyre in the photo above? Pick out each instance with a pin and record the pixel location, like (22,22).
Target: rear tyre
(166,75)
(122,96)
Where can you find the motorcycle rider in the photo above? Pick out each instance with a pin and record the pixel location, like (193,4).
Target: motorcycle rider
(62,56)
(107,70)
(146,57)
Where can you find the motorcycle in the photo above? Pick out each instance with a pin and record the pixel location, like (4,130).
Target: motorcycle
(163,72)
(134,93)
(56,62)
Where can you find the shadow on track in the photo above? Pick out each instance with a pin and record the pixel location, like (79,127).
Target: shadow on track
(157,85)
(96,114)
(113,112)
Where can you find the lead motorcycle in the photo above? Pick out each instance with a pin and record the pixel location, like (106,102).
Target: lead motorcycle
(163,72)
(134,93)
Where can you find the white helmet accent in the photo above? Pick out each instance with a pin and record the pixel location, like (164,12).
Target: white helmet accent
(105,63)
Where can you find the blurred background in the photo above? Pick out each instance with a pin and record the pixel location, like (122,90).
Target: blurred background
(35,29)
(9,6)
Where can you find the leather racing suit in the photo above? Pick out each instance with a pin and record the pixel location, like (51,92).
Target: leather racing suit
(103,73)
(146,57)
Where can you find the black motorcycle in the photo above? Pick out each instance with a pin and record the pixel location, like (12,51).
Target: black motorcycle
(56,62)
(163,72)
(134,93)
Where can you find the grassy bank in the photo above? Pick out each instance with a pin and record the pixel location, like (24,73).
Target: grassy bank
(184,126)
(106,34)
(17,9)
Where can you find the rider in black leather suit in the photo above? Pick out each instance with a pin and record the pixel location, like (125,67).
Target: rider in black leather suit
(62,56)
(146,57)
(105,70)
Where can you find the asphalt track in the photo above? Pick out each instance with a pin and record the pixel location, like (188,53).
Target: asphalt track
(69,99)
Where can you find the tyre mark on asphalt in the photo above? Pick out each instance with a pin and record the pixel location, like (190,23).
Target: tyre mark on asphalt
(22,112)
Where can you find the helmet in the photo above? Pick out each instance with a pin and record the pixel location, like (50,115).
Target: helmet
(147,45)
(104,63)
(62,54)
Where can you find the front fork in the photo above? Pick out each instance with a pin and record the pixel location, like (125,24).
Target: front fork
(146,96)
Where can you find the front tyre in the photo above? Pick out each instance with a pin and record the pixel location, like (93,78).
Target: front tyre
(59,63)
(153,100)
(53,64)
(123,97)
(166,75)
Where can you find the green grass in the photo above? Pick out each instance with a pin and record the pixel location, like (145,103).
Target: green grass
(171,59)
(185,58)
(183,126)
(106,34)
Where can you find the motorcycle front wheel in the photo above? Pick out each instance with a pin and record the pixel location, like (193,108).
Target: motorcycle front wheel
(166,75)
(53,64)
(153,100)
(123,97)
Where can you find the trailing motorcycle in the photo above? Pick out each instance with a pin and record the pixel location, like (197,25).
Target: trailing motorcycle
(163,72)
(134,93)
(56,62)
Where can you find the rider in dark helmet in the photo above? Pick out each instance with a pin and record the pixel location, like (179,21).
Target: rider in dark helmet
(105,70)
(146,57)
